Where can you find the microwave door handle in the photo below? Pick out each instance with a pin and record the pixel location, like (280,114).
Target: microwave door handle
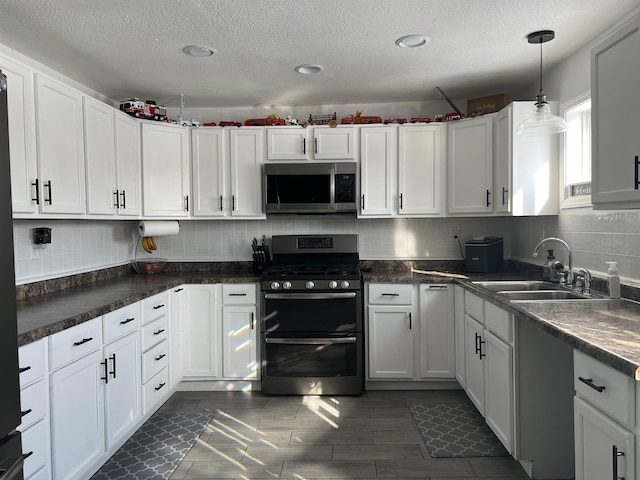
(332,189)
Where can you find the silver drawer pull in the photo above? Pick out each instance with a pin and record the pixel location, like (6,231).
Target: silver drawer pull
(589,382)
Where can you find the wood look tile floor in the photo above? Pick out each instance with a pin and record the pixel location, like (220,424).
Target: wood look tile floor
(253,436)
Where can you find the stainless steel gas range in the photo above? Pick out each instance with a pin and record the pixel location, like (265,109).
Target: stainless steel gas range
(312,322)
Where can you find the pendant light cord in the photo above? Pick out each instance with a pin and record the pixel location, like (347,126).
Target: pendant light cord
(541,92)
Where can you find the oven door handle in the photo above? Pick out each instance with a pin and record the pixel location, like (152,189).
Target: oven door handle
(309,341)
(308,296)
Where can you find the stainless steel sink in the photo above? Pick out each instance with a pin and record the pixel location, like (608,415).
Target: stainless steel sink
(534,291)
(518,285)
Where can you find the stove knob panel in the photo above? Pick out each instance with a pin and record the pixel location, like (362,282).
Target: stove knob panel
(310,284)
(333,284)
(344,284)
(275,285)
(286,285)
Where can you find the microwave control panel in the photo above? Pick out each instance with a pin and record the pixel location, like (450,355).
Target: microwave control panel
(345,188)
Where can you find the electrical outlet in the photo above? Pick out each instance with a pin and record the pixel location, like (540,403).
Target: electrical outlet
(455,234)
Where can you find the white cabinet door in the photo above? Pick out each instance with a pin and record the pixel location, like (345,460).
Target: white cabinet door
(604,449)
(209,167)
(334,143)
(122,387)
(460,335)
(285,143)
(437,344)
(202,328)
(615,76)
(77,416)
(470,160)
(177,317)
(102,197)
(474,364)
(60,147)
(128,164)
(378,163)
(421,169)
(165,170)
(239,342)
(390,341)
(22,137)
(246,148)
(525,168)
(498,388)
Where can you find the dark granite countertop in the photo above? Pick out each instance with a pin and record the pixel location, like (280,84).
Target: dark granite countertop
(43,315)
(608,330)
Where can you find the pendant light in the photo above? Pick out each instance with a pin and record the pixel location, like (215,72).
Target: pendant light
(542,122)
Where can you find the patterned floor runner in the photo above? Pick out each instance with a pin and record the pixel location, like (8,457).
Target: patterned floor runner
(456,430)
(154,451)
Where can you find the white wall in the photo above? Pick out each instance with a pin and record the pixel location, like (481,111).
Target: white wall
(595,236)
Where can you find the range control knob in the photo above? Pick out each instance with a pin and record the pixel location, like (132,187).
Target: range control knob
(333,284)
(344,284)
(286,285)
(309,284)
(275,285)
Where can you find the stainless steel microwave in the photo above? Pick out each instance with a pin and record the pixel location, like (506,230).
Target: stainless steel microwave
(310,187)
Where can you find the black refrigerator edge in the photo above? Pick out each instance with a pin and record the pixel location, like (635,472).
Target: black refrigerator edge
(11,459)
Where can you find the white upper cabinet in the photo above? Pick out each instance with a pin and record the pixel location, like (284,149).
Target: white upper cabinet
(287,143)
(615,76)
(247,153)
(421,170)
(100,157)
(334,143)
(526,168)
(22,136)
(378,170)
(165,170)
(128,164)
(470,157)
(210,170)
(60,147)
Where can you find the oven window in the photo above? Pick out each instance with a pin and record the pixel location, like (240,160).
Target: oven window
(300,360)
(285,189)
(331,315)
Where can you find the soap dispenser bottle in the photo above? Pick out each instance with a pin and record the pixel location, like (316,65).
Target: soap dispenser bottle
(613,279)
(547,269)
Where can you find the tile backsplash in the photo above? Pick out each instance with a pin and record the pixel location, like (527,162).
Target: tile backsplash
(84,245)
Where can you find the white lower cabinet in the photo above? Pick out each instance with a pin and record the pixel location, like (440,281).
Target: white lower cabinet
(155,355)
(177,304)
(240,332)
(202,329)
(604,421)
(409,332)
(489,365)
(34,402)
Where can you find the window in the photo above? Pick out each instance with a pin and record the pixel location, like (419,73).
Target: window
(576,175)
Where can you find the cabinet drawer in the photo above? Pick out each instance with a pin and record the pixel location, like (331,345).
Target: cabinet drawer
(618,397)
(154,360)
(154,307)
(34,439)
(244,293)
(498,321)
(474,306)
(155,391)
(390,294)
(154,333)
(74,342)
(33,399)
(122,321)
(32,361)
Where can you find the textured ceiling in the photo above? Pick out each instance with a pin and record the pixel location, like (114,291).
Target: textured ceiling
(124,48)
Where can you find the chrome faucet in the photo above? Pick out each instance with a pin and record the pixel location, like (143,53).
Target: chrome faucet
(586,278)
(565,245)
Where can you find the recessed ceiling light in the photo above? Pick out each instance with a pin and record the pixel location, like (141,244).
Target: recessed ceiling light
(198,51)
(412,41)
(308,69)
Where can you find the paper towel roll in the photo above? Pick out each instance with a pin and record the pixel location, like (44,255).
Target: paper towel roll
(158,228)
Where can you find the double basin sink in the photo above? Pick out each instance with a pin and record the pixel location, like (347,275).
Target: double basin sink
(534,290)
